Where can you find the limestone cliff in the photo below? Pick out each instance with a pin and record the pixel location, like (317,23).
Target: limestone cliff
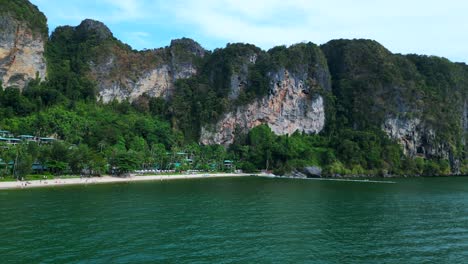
(406,96)
(239,78)
(418,138)
(123,73)
(415,137)
(128,75)
(288,108)
(296,77)
(356,85)
(21,52)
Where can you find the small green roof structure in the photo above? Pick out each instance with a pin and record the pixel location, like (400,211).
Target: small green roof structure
(46,139)
(9,140)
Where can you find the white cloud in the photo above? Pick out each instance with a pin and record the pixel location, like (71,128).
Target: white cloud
(404,26)
(244,22)
(428,27)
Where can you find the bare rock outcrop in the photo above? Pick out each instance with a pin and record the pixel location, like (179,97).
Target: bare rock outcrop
(416,138)
(157,82)
(125,74)
(128,75)
(21,53)
(289,107)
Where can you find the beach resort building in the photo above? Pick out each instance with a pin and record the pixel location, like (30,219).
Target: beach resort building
(6,137)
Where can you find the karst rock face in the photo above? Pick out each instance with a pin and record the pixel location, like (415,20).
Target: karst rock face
(154,74)
(296,78)
(288,108)
(122,73)
(414,137)
(404,95)
(21,52)
(418,101)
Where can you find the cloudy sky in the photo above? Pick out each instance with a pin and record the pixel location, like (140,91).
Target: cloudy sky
(431,27)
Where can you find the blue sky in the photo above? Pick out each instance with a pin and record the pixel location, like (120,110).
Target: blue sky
(430,27)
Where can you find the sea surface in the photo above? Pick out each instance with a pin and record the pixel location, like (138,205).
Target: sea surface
(238,220)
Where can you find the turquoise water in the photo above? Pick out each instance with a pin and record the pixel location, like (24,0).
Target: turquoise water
(241,220)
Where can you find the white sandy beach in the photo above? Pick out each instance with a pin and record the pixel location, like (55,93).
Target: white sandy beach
(109,179)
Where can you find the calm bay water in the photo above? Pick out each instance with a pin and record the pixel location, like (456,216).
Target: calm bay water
(241,220)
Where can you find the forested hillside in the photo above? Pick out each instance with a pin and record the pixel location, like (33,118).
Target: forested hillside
(350,107)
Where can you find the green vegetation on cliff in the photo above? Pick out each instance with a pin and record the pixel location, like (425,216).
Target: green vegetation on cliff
(444,94)
(349,153)
(370,83)
(25,11)
(369,86)
(363,95)
(203,99)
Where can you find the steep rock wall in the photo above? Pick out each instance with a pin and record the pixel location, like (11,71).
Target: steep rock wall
(415,137)
(239,79)
(288,108)
(156,82)
(119,72)
(21,53)
(419,140)
(154,74)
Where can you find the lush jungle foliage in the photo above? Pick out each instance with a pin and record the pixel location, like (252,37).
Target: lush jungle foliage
(368,85)
(371,84)
(146,133)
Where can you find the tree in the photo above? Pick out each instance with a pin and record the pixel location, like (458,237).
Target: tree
(23,162)
(349,152)
(159,154)
(261,139)
(80,159)
(97,164)
(126,162)
(6,155)
(57,160)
